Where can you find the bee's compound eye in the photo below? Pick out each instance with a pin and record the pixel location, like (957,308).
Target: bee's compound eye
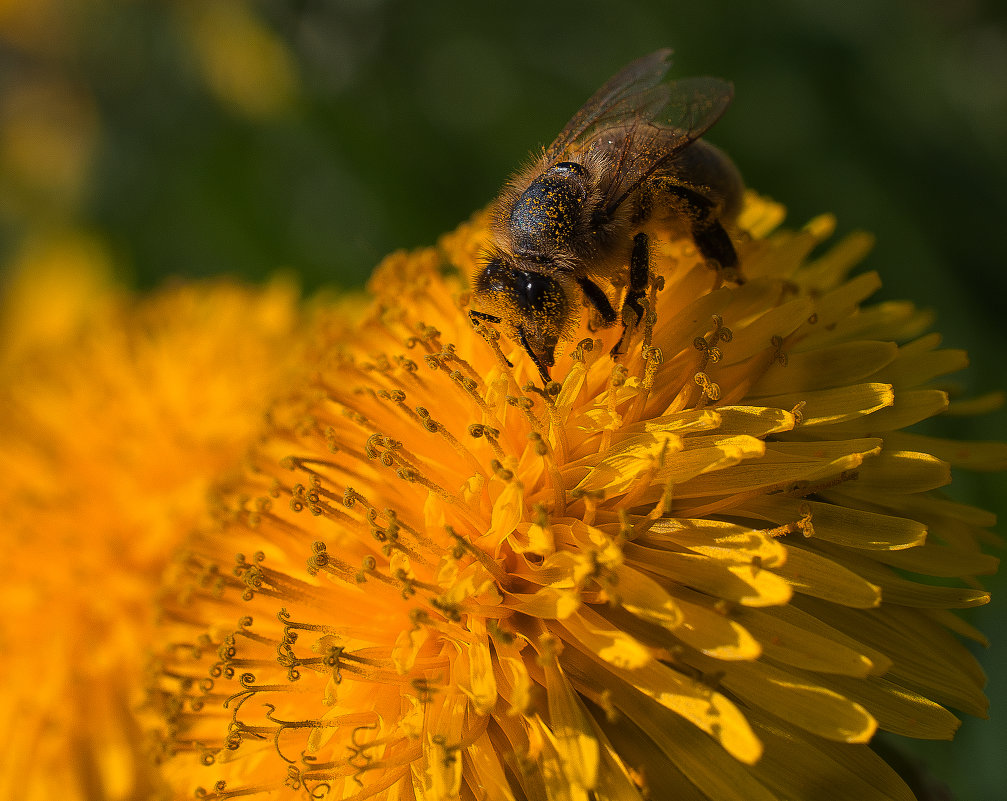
(528,292)
(541,294)
(495,276)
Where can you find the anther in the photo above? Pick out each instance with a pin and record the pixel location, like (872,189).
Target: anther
(425,420)
(778,355)
(619,375)
(711,390)
(798,412)
(424,690)
(406,364)
(319,557)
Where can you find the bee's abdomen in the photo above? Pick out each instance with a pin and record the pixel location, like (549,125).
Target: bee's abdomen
(547,213)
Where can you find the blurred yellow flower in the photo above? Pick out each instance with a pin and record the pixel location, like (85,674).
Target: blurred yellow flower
(115,416)
(243,62)
(695,573)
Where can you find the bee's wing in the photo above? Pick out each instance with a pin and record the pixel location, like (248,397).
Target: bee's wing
(644,144)
(642,119)
(616,102)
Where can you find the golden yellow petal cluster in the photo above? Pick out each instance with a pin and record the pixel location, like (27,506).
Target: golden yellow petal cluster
(699,571)
(115,416)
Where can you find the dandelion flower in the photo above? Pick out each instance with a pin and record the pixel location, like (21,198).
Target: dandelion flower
(695,572)
(116,416)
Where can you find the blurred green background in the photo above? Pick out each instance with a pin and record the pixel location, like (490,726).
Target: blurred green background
(223,137)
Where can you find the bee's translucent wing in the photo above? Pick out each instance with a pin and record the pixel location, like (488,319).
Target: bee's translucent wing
(642,119)
(618,100)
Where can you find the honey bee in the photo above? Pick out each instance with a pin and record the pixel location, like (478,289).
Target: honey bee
(569,222)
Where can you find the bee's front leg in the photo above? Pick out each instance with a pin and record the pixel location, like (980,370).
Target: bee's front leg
(542,361)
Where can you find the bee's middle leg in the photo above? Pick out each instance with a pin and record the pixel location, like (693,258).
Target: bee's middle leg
(703,215)
(599,300)
(639,281)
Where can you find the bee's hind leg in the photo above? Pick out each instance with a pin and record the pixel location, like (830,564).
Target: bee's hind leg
(702,213)
(639,281)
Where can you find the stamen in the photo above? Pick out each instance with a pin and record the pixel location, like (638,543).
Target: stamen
(478,430)
(525,404)
(779,357)
(710,390)
(798,412)
(653,358)
(462,544)
(552,470)
(492,338)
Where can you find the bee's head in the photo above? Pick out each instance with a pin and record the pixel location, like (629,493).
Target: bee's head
(533,305)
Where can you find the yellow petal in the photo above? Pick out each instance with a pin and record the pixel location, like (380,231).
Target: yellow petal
(946,671)
(693,465)
(726,542)
(606,641)
(482,688)
(786,465)
(833,266)
(931,559)
(568,721)
(694,701)
(513,680)
(485,761)
(622,464)
(711,632)
(756,421)
(891,320)
(793,763)
(830,406)
(970,455)
(897,709)
(904,472)
(507,512)
(540,540)
(548,603)
(897,590)
(643,597)
(841,525)
(801,702)
(797,639)
(758,335)
(840,302)
(407,647)
(818,576)
(835,366)
(686,422)
(443,777)
(910,407)
(919,363)
(745,584)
